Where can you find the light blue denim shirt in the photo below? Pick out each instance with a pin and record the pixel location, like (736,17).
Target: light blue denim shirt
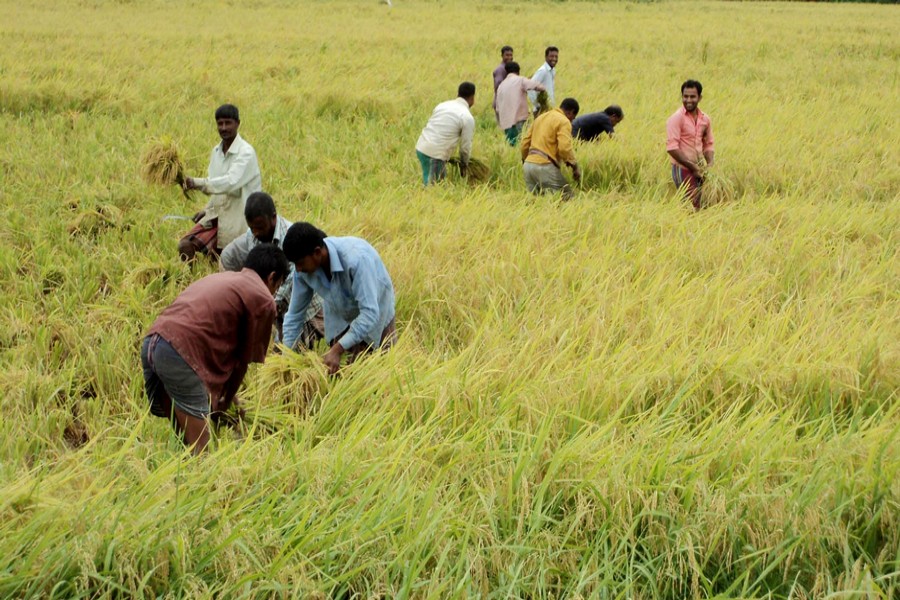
(359,295)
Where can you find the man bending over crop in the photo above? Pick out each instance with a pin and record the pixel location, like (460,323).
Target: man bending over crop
(268,227)
(233,175)
(451,123)
(546,147)
(355,287)
(689,142)
(196,353)
(591,126)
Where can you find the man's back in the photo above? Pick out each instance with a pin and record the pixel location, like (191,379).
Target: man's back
(590,126)
(450,123)
(549,139)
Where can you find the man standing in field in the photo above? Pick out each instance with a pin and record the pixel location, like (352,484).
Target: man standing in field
(268,227)
(546,146)
(512,102)
(546,76)
(689,142)
(506,56)
(451,123)
(355,288)
(233,175)
(591,126)
(196,353)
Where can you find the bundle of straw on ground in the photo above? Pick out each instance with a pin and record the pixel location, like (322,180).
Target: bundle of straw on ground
(162,164)
(477,171)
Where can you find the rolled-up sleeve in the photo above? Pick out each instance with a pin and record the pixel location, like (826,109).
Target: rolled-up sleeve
(301,295)
(365,291)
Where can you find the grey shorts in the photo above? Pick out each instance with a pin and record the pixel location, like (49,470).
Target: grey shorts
(169,379)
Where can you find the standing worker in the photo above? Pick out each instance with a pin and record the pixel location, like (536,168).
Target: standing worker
(512,102)
(355,287)
(546,146)
(546,76)
(196,354)
(591,126)
(689,139)
(451,123)
(233,175)
(506,56)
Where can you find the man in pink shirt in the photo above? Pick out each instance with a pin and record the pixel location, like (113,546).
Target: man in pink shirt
(689,139)
(512,101)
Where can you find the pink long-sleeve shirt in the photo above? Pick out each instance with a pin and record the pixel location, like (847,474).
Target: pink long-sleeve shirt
(692,134)
(512,102)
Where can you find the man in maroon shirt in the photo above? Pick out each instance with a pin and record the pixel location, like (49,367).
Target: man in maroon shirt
(196,353)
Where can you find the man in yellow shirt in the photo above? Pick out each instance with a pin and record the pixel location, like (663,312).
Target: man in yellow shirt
(546,146)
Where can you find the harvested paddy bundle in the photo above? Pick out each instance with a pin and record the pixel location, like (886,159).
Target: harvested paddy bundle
(478,171)
(716,188)
(543,102)
(162,164)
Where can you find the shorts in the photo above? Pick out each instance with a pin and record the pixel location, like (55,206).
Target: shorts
(169,379)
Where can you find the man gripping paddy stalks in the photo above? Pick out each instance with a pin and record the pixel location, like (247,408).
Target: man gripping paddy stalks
(689,142)
(356,290)
(451,123)
(197,351)
(547,146)
(233,175)
(266,226)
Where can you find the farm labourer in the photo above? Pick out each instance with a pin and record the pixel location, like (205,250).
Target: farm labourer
(546,76)
(689,139)
(546,146)
(506,56)
(451,123)
(591,126)
(355,287)
(512,102)
(268,227)
(233,175)
(196,353)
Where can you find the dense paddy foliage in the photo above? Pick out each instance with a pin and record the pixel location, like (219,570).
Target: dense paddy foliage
(613,397)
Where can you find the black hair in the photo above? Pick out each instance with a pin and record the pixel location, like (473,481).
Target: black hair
(302,239)
(614,110)
(466,89)
(228,111)
(259,204)
(266,259)
(549,50)
(505,49)
(692,83)
(512,67)
(570,104)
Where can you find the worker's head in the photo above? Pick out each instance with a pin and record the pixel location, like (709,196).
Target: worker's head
(570,108)
(512,67)
(261,217)
(691,92)
(551,55)
(270,264)
(615,114)
(304,245)
(506,54)
(228,119)
(466,91)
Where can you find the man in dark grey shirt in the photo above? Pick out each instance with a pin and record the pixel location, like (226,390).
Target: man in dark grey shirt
(589,127)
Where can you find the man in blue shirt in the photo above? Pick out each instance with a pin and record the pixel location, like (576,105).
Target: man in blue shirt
(356,291)
(589,127)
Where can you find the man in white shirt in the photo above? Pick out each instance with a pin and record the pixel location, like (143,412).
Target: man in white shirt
(546,76)
(233,175)
(451,123)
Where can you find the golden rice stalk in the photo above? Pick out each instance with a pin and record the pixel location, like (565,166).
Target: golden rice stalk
(478,171)
(162,164)
(543,102)
(715,188)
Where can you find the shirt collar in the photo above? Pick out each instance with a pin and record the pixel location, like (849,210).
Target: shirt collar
(463,101)
(233,148)
(334,259)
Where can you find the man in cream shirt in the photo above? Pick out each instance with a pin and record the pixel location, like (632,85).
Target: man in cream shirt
(451,123)
(233,175)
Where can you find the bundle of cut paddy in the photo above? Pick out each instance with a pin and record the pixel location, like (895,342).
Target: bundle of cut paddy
(543,102)
(162,164)
(478,171)
(716,188)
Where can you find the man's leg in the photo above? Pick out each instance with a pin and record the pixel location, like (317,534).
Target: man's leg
(438,170)
(532,183)
(425,162)
(200,239)
(556,181)
(686,181)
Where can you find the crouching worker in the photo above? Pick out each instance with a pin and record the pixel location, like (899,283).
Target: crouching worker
(356,291)
(196,353)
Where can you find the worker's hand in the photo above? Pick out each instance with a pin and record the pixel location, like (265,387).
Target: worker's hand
(190,184)
(332,359)
(198,216)
(576,173)
(463,170)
